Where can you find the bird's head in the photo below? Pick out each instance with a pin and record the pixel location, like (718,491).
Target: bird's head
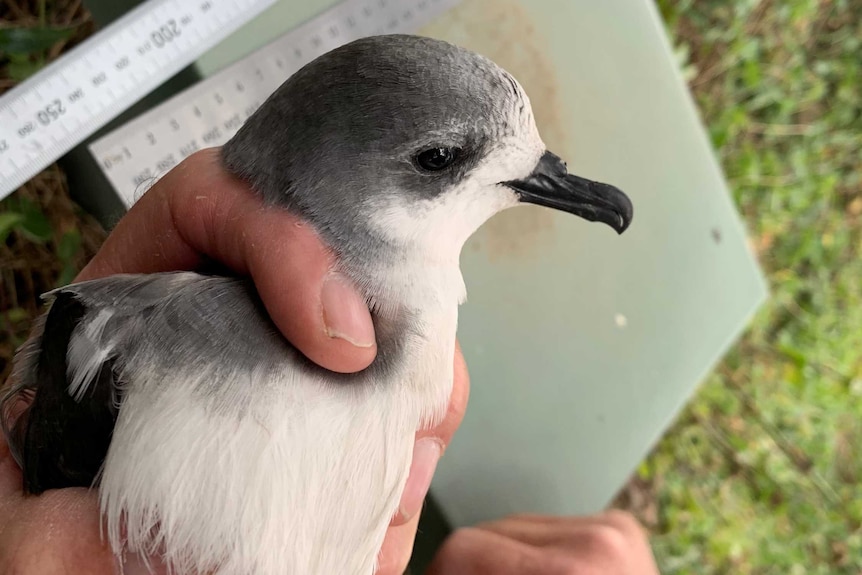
(402,146)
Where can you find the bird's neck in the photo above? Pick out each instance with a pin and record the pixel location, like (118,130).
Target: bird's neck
(415,310)
(424,287)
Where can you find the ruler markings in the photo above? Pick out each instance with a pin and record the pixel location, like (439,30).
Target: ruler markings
(109,69)
(209,113)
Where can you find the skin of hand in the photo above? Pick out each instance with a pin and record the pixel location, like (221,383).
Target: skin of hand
(612,543)
(197,216)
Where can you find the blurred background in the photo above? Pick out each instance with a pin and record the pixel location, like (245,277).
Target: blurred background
(762,473)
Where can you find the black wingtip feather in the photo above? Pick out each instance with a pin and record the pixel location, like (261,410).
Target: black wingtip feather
(63,443)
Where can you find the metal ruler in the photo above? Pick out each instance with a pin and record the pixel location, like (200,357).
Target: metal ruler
(66,102)
(135,155)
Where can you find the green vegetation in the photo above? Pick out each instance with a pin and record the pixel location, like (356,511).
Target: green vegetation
(763,472)
(26,47)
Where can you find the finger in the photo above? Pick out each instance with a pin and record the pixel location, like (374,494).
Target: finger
(625,522)
(431,443)
(198,213)
(577,535)
(640,551)
(457,402)
(57,532)
(478,552)
(397,548)
(620,520)
(10,474)
(609,541)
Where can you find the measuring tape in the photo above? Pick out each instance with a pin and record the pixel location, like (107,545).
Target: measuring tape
(66,102)
(135,155)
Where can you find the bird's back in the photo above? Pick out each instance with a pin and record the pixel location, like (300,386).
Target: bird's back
(224,449)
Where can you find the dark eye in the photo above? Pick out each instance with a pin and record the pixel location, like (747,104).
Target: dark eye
(436,159)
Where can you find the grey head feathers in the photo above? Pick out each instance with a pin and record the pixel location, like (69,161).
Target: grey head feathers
(346,129)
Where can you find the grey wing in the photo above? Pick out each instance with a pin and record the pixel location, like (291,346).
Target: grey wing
(95,340)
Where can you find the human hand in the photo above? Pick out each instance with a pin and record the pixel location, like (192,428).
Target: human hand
(612,543)
(197,215)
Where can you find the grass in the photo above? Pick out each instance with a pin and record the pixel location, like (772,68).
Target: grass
(762,473)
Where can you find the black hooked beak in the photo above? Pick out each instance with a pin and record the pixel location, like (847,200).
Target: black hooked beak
(553,186)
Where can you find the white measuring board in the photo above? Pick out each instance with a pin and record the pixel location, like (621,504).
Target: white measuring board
(135,155)
(70,99)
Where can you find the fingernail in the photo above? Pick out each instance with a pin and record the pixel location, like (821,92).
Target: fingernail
(345,315)
(426,454)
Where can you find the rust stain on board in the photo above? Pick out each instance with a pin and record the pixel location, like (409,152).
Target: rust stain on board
(503,31)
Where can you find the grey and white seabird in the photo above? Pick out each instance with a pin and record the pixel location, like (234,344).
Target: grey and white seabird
(213,442)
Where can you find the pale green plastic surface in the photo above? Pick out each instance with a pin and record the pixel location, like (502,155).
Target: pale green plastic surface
(583,345)
(269,25)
